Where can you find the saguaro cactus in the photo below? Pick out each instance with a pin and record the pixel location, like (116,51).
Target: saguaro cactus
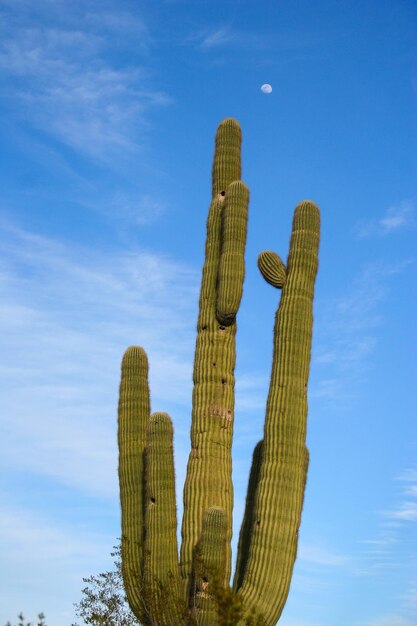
(161,590)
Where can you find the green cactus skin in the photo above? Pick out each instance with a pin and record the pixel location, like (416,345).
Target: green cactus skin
(160,546)
(209,472)
(162,591)
(280,490)
(209,564)
(248,517)
(272,268)
(134,409)
(232,262)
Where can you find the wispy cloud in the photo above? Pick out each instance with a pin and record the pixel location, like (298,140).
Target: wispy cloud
(396,218)
(60,77)
(67,316)
(389,556)
(408,479)
(410,597)
(391,619)
(406,510)
(228,36)
(318,569)
(34,550)
(218,38)
(142,210)
(321,556)
(346,333)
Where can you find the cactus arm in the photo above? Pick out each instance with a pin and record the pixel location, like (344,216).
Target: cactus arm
(209,471)
(280,491)
(133,414)
(272,268)
(232,260)
(209,565)
(161,571)
(249,519)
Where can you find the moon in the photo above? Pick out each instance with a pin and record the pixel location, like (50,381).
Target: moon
(266,88)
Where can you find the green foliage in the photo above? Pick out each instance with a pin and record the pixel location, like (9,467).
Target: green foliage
(104,600)
(40,621)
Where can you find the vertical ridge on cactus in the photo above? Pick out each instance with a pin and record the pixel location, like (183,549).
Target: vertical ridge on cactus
(209,564)
(195,590)
(231,269)
(160,546)
(134,409)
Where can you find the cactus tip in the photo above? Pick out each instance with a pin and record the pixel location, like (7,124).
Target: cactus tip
(135,356)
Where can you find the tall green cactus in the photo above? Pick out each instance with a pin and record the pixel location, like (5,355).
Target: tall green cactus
(161,590)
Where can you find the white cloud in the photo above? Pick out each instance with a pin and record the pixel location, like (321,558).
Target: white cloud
(67,317)
(318,569)
(346,335)
(410,597)
(35,550)
(396,218)
(217,38)
(319,555)
(409,478)
(144,209)
(406,511)
(122,24)
(391,619)
(59,77)
(393,547)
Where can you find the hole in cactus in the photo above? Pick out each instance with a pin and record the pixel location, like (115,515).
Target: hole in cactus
(222,327)
(205,579)
(258,522)
(214,364)
(153,500)
(222,193)
(204,328)
(223,381)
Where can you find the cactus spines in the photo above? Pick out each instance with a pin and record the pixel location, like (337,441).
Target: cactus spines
(231,270)
(195,590)
(209,564)
(161,551)
(226,162)
(134,409)
(272,268)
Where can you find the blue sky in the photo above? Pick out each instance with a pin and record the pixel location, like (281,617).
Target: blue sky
(108,112)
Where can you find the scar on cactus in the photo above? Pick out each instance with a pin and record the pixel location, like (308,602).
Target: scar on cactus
(195,588)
